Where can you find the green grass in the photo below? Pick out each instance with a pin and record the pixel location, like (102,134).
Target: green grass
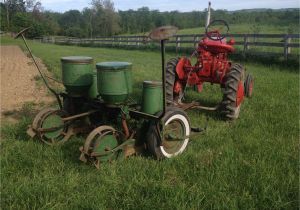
(251,163)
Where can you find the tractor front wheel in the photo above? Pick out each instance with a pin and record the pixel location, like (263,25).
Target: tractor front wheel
(170,137)
(233,92)
(248,85)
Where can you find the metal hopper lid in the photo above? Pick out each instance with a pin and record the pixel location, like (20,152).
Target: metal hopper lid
(76,59)
(114,65)
(163,32)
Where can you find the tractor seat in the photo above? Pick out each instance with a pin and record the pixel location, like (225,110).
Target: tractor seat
(220,46)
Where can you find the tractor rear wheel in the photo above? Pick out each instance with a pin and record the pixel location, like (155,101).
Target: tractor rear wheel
(171,78)
(174,130)
(233,92)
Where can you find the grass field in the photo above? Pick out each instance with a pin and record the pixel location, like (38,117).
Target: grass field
(251,163)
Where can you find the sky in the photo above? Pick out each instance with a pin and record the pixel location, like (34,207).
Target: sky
(169,5)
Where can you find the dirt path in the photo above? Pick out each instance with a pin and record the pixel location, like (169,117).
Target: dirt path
(18,82)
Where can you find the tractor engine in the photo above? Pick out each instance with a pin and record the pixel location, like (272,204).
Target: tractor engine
(211,65)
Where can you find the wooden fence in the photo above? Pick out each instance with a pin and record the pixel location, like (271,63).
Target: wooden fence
(271,44)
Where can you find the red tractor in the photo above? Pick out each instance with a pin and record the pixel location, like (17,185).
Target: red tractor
(212,65)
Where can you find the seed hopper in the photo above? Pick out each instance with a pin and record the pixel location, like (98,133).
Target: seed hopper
(98,103)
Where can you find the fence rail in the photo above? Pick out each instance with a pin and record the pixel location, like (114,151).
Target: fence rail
(263,43)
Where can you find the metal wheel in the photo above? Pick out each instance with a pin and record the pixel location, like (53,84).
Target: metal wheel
(100,140)
(50,127)
(174,132)
(171,78)
(233,92)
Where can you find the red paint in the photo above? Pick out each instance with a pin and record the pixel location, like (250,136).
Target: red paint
(211,66)
(240,93)
(177,87)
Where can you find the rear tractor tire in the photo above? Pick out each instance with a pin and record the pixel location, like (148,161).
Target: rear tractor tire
(171,78)
(175,131)
(233,92)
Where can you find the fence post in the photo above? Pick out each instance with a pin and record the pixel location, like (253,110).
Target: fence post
(177,44)
(287,49)
(195,41)
(137,41)
(246,46)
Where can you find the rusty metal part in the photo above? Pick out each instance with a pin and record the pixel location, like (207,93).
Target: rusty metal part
(31,131)
(55,80)
(196,105)
(129,143)
(86,150)
(163,33)
(125,127)
(36,128)
(22,32)
(79,115)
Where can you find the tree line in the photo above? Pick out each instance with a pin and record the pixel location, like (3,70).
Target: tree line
(101,19)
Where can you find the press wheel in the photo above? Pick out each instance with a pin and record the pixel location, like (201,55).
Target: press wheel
(100,140)
(50,127)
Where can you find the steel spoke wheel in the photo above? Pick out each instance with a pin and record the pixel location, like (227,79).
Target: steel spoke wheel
(175,131)
(101,140)
(51,128)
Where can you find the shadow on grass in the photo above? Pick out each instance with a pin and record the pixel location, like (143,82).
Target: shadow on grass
(14,123)
(291,65)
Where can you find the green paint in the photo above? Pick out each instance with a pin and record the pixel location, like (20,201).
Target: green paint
(114,81)
(104,144)
(93,91)
(152,97)
(77,74)
(53,121)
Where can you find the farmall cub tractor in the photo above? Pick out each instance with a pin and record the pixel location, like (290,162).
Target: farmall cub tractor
(212,65)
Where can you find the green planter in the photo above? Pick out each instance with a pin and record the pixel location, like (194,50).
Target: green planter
(77,74)
(152,97)
(114,81)
(93,90)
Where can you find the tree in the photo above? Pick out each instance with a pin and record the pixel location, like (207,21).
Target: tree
(104,19)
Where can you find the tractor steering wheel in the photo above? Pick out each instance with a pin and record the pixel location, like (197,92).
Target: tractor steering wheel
(215,30)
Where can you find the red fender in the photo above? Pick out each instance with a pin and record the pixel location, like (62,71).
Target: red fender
(180,67)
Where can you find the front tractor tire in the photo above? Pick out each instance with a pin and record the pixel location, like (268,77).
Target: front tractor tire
(175,130)
(233,92)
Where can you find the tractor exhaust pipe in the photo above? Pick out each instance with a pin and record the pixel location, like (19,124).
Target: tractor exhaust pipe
(208,15)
